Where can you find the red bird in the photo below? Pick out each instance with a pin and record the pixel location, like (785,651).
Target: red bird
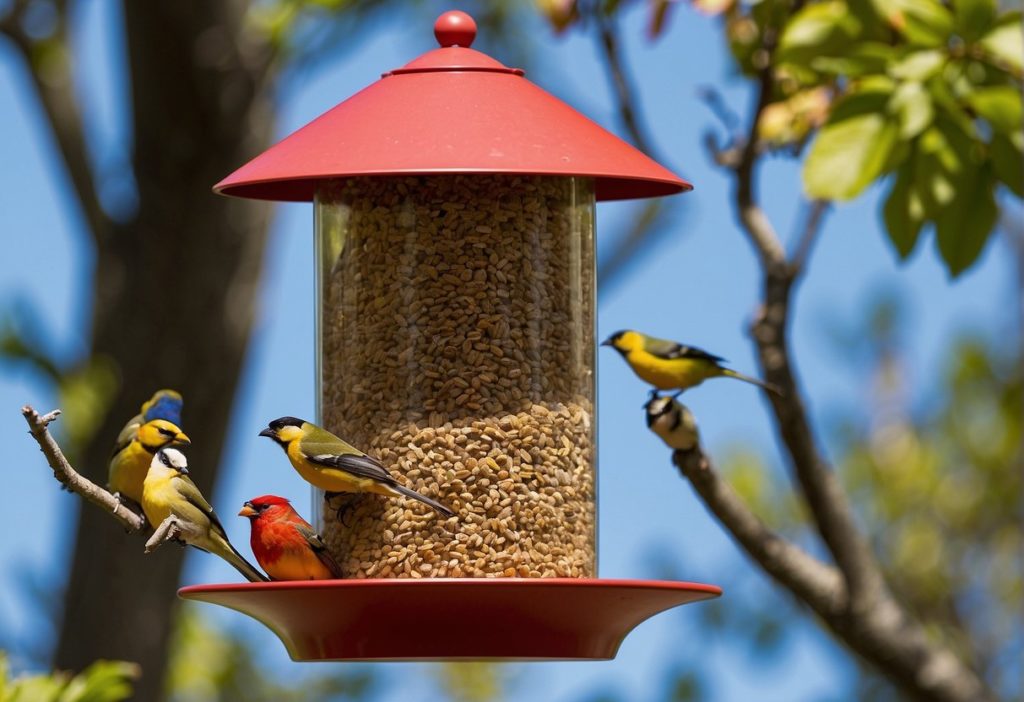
(285,544)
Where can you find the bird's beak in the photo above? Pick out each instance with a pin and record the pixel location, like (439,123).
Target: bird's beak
(182,439)
(269,433)
(606,342)
(247,511)
(183,470)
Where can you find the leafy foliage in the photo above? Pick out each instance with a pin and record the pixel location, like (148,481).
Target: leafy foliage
(209,664)
(103,681)
(921,93)
(925,95)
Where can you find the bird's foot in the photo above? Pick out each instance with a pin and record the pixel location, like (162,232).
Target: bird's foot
(347,505)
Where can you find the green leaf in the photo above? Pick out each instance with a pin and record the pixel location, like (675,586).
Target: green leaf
(918,65)
(1005,43)
(922,22)
(963,226)
(903,212)
(943,152)
(103,681)
(913,108)
(861,59)
(820,29)
(1007,154)
(1000,106)
(852,148)
(974,17)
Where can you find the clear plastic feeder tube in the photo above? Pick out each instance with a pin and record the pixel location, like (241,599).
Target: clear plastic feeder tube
(455,343)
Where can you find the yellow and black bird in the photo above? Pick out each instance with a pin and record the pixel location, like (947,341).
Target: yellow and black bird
(668,365)
(169,491)
(327,462)
(154,427)
(672,421)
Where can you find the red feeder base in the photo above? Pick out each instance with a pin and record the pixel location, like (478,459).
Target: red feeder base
(452,618)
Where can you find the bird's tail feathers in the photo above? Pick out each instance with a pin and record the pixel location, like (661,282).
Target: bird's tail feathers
(226,551)
(754,381)
(433,504)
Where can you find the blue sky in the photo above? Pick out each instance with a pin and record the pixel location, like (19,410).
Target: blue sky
(699,286)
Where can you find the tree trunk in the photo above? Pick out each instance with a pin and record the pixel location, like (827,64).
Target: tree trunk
(174,297)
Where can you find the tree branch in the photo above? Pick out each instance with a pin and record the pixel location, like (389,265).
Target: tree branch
(169,530)
(886,637)
(816,212)
(813,582)
(56,90)
(70,478)
(652,213)
(825,497)
(861,611)
(622,85)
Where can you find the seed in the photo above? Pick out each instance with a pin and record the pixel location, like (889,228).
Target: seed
(452,323)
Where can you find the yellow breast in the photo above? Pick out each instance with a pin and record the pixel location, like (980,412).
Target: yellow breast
(674,374)
(157,497)
(128,470)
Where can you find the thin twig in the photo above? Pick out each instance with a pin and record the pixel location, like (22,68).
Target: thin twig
(73,480)
(169,530)
(650,217)
(622,85)
(816,212)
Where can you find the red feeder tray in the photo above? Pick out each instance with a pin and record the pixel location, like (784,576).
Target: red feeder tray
(452,618)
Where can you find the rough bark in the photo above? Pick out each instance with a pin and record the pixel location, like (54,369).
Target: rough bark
(174,295)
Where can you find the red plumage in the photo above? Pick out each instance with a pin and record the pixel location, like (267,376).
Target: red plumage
(285,545)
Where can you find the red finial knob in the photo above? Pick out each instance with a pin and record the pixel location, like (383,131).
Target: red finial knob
(455,28)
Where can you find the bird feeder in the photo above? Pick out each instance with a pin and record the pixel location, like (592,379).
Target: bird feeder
(455,276)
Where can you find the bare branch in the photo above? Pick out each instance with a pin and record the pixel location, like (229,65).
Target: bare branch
(73,480)
(56,90)
(652,212)
(622,85)
(816,212)
(813,582)
(755,223)
(825,498)
(169,530)
(886,637)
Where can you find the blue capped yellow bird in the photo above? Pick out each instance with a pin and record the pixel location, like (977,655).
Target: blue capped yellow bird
(327,462)
(669,365)
(168,491)
(155,427)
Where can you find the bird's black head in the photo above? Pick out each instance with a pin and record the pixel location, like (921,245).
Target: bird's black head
(281,422)
(610,341)
(274,429)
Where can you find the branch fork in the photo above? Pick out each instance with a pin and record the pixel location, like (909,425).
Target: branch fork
(73,481)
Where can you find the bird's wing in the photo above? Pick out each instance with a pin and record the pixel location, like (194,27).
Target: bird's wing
(127,435)
(359,465)
(316,543)
(190,493)
(671,350)
(312,538)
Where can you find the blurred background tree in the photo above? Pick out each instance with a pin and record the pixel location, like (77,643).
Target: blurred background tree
(919,94)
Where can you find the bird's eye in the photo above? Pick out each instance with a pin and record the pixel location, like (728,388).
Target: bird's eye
(166,432)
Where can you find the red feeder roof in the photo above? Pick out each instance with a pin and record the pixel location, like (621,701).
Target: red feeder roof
(452,110)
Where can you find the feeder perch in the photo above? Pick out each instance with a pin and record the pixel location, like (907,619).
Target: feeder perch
(455,276)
